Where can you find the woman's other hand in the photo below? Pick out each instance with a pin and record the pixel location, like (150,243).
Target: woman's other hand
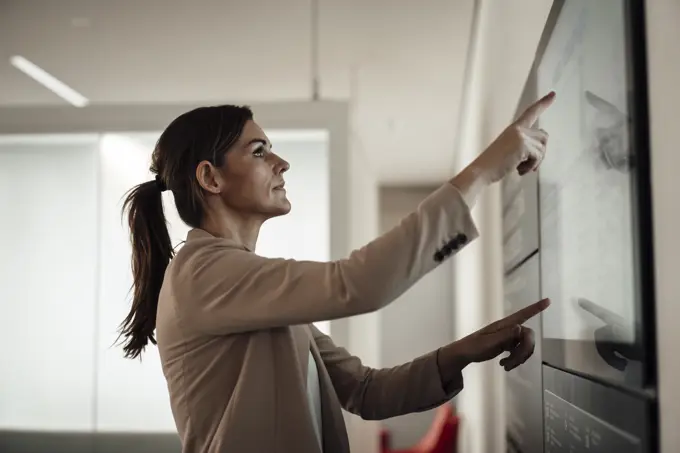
(505,335)
(520,146)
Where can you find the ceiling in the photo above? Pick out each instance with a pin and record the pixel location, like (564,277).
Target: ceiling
(400,63)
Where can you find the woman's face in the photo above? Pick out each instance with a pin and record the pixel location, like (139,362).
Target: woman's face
(251,180)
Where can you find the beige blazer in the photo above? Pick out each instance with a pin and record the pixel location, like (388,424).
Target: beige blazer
(234,333)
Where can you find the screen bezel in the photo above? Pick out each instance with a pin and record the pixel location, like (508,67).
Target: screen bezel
(553,350)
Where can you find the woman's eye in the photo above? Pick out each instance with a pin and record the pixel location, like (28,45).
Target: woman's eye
(259,152)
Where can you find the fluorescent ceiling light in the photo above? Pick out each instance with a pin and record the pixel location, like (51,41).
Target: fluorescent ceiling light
(49,81)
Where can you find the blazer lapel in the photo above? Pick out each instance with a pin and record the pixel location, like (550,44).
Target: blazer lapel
(302,343)
(334,430)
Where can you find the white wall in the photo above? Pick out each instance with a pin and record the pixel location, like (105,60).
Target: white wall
(663,57)
(65,275)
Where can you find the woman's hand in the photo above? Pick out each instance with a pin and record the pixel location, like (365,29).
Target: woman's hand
(506,335)
(520,146)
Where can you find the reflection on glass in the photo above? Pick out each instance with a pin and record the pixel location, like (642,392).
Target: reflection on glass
(610,132)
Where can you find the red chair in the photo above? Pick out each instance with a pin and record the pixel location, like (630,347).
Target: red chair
(442,437)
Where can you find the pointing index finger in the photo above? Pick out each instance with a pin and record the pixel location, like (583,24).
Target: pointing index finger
(526,313)
(534,111)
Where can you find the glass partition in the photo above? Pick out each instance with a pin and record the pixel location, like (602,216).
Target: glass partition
(48,281)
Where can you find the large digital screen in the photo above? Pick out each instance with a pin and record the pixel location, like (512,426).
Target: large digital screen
(587,195)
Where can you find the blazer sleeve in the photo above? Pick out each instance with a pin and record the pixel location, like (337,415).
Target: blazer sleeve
(377,394)
(229,290)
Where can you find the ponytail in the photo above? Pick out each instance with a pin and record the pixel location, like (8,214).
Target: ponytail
(151,254)
(202,134)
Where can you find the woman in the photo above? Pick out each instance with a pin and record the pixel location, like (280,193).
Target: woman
(246,369)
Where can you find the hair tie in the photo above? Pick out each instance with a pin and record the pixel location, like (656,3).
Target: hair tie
(160,184)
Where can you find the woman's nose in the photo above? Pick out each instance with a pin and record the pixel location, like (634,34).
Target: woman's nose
(283,166)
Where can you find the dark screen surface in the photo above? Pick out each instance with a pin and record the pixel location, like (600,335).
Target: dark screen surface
(582,416)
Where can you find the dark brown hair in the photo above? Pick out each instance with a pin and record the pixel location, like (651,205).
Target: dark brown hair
(205,133)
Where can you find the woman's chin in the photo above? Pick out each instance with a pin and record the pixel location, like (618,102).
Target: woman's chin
(285,209)
(282,207)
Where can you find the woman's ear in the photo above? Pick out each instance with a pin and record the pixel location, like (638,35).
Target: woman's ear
(208,177)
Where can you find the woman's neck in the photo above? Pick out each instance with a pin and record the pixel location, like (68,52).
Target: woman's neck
(241,229)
